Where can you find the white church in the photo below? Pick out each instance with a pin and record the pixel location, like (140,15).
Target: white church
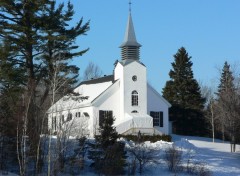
(126,96)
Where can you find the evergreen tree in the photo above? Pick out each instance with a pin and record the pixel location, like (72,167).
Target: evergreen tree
(228,103)
(60,48)
(108,134)
(11,77)
(226,81)
(41,45)
(183,92)
(108,154)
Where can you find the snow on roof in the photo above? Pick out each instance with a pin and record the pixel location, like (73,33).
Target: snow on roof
(88,91)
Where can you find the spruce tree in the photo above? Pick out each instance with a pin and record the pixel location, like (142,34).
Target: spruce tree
(228,106)
(183,92)
(108,134)
(226,81)
(108,154)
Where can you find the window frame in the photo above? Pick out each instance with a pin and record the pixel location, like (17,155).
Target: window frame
(157,118)
(69,117)
(134,98)
(103,114)
(54,123)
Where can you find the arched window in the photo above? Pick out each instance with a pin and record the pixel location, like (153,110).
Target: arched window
(134,111)
(134,98)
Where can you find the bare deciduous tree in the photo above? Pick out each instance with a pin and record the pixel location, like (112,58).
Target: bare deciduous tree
(92,71)
(143,154)
(210,108)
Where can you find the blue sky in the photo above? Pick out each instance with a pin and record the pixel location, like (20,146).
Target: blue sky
(208,29)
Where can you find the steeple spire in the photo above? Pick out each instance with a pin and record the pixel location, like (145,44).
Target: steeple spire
(130,46)
(130,6)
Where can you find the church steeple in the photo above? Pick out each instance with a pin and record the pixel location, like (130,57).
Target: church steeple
(130,46)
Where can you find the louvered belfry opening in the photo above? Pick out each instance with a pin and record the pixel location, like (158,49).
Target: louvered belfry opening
(130,52)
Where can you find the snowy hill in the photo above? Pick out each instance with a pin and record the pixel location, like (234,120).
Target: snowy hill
(215,157)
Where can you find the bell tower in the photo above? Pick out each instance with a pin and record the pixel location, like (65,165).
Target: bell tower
(132,75)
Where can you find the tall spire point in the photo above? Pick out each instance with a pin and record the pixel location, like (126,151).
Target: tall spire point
(130,6)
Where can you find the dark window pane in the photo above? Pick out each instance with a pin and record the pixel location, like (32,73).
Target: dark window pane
(161,119)
(134,98)
(86,114)
(63,119)
(69,116)
(157,118)
(103,115)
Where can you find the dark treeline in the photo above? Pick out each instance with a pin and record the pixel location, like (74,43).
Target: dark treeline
(203,111)
(36,45)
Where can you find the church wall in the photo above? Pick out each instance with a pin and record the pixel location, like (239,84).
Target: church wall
(112,104)
(88,121)
(155,103)
(118,75)
(140,85)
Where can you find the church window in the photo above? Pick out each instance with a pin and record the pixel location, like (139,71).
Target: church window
(134,78)
(103,115)
(69,117)
(157,118)
(134,98)
(78,114)
(86,114)
(63,120)
(134,111)
(54,123)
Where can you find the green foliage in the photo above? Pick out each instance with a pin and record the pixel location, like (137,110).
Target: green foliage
(41,43)
(226,81)
(108,154)
(183,92)
(108,134)
(150,138)
(228,105)
(113,160)
(37,44)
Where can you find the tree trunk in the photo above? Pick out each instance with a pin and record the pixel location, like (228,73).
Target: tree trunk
(213,125)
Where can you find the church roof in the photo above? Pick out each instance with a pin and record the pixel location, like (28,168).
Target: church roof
(93,88)
(130,37)
(90,89)
(128,61)
(98,80)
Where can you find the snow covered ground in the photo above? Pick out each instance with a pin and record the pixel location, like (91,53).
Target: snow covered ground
(216,157)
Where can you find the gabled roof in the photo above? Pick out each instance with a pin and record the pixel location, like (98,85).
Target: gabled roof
(89,89)
(98,80)
(163,99)
(107,93)
(128,61)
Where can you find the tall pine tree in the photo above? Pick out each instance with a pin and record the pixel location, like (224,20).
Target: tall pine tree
(226,81)
(228,103)
(42,43)
(183,92)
